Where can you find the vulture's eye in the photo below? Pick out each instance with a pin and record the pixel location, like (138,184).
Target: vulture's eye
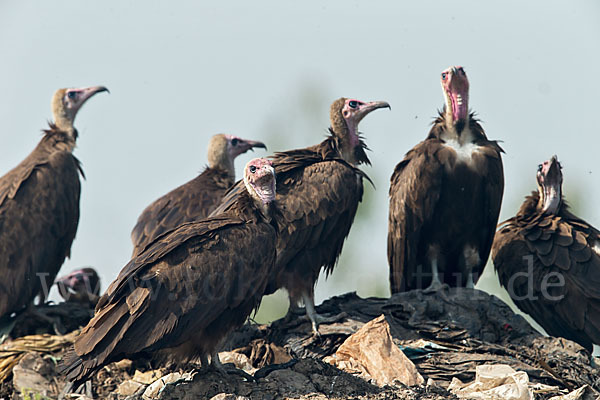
(234,142)
(353,104)
(71,95)
(540,168)
(252,169)
(444,75)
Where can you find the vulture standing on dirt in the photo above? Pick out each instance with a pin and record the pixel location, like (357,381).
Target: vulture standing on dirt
(318,191)
(548,260)
(195,199)
(39,207)
(191,286)
(445,199)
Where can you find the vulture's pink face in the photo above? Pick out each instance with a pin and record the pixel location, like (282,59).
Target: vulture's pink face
(259,177)
(73,99)
(237,146)
(84,280)
(355,110)
(456,88)
(550,178)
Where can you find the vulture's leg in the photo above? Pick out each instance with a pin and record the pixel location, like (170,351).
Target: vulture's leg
(316,319)
(470,281)
(294,309)
(471,262)
(436,283)
(204,361)
(228,369)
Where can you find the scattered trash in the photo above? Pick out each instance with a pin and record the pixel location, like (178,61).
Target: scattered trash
(495,382)
(240,361)
(444,337)
(372,354)
(155,388)
(583,393)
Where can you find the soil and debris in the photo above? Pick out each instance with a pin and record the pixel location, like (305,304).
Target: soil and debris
(457,342)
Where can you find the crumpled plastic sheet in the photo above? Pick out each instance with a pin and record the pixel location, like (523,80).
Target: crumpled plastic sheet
(372,354)
(583,393)
(497,382)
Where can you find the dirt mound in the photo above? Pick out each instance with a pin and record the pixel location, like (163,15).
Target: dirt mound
(446,335)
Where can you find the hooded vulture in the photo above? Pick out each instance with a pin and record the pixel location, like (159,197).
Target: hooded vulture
(39,207)
(445,199)
(80,286)
(195,199)
(318,191)
(181,296)
(549,262)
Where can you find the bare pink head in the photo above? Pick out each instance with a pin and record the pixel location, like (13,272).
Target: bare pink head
(346,114)
(456,88)
(67,102)
(549,178)
(259,178)
(81,281)
(353,111)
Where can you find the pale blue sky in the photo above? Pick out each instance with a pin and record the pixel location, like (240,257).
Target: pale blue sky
(182,71)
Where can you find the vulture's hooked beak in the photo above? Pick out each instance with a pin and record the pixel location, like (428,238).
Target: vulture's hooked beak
(252,144)
(81,95)
(86,93)
(550,180)
(243,145)
(366,108)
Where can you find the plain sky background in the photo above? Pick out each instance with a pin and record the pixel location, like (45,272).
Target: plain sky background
(181,71)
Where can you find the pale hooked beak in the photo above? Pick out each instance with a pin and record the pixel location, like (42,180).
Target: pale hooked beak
(367,108)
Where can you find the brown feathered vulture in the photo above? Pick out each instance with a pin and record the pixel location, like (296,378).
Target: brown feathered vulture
(196,198)
(318,191)
(445,199)
(548,260)
(189,288)
(39,207)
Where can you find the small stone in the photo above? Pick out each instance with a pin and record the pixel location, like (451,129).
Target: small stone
(27,380)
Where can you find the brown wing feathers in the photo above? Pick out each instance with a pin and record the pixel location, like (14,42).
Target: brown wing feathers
(39,204)
(190,201)
(556,267)
(184,292)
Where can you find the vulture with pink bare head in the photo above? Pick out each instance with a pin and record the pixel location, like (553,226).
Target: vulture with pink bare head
(445,199)
(318,192)
(189,288)
(548,260)
(195,199)
(39,207)
(80,286)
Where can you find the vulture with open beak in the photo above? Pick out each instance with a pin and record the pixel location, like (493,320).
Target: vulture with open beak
(318,191)
(445,199)
(195,199)
(181,296)
(39,207)
(549,262)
